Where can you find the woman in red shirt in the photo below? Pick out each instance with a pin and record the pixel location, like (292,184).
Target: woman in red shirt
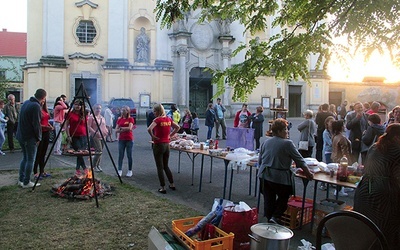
(44,143)
(160,132)
(76,132)
(125,125)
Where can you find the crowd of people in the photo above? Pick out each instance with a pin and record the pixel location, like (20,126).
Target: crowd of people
(357,133)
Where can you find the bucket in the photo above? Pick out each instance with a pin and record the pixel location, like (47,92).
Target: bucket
(270,236)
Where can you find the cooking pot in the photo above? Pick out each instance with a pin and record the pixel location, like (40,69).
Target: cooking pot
(270,236)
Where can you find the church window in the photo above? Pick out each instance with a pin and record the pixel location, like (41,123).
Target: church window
(86,32)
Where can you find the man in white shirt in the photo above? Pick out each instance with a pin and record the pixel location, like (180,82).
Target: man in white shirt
(109,117)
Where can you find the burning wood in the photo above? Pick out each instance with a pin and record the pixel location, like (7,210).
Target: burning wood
(81,187)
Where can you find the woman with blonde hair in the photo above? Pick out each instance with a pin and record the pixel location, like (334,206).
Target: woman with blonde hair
(125,127)
(98,131)
(187,121)
(161,133)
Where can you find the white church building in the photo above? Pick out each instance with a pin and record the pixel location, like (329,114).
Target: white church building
(115,48)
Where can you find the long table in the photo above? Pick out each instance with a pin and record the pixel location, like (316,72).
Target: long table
(193,153)
(318,177)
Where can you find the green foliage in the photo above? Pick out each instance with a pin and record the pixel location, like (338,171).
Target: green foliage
(8,65)
(307,27)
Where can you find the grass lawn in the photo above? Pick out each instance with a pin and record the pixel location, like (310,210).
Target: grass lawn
(37,220)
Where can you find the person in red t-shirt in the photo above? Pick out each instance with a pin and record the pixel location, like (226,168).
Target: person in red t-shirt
(125,125)
(160,132)
(44,143)
(76,132)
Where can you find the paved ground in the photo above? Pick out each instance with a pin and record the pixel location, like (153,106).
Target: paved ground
(145,176)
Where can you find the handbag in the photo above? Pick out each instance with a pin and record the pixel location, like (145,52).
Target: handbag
(239,223)
(303,145)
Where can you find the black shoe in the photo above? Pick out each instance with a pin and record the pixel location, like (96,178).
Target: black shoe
(217,137)
(163,191)
(172,188)
(275,221)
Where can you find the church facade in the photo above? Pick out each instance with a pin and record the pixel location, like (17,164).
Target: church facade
(115,48)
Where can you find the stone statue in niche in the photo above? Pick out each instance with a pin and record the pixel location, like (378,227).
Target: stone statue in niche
(142,46)
(225,26)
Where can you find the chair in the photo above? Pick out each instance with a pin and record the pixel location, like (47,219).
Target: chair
(351,230)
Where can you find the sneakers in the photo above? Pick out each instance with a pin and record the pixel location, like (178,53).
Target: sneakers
(2,153)
(120,172)
(348,189)
(37,176)
(323,187)
(97,169)
(129,174)
(341,193)
(20,183)
(30,185)
(78,172)
(57,153)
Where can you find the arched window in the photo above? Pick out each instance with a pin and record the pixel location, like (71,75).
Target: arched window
(86,32)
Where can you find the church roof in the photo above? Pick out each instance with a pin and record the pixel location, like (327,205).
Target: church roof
(12,43)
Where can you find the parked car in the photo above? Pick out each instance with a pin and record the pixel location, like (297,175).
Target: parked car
(117,103)
(167,106)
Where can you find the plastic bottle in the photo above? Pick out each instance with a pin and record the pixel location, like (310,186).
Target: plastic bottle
(211,144)
(342,171)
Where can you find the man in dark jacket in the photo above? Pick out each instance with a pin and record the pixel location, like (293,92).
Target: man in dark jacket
(11,111)
(320,121)
(356,123)
(29,134)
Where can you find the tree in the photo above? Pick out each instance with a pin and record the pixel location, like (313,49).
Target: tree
(5,80)
(307,27)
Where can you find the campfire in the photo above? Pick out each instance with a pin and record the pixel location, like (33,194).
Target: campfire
(82,187)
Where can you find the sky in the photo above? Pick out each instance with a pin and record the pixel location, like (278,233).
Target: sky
(13,18)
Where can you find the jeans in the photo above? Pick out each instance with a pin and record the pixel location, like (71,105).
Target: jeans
(79,143)
(122,146)
(328,158)
(57,145)
(2,136)
(161,157)
(29,149)
(209,131)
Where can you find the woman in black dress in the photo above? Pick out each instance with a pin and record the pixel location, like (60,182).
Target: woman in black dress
(378,194)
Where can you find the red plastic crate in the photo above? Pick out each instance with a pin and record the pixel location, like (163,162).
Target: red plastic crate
(223,241)
(292,215)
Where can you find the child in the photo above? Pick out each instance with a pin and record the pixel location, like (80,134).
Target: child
(194,128)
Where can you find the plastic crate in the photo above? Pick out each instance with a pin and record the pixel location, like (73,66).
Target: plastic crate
(291,217)
(223,241)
